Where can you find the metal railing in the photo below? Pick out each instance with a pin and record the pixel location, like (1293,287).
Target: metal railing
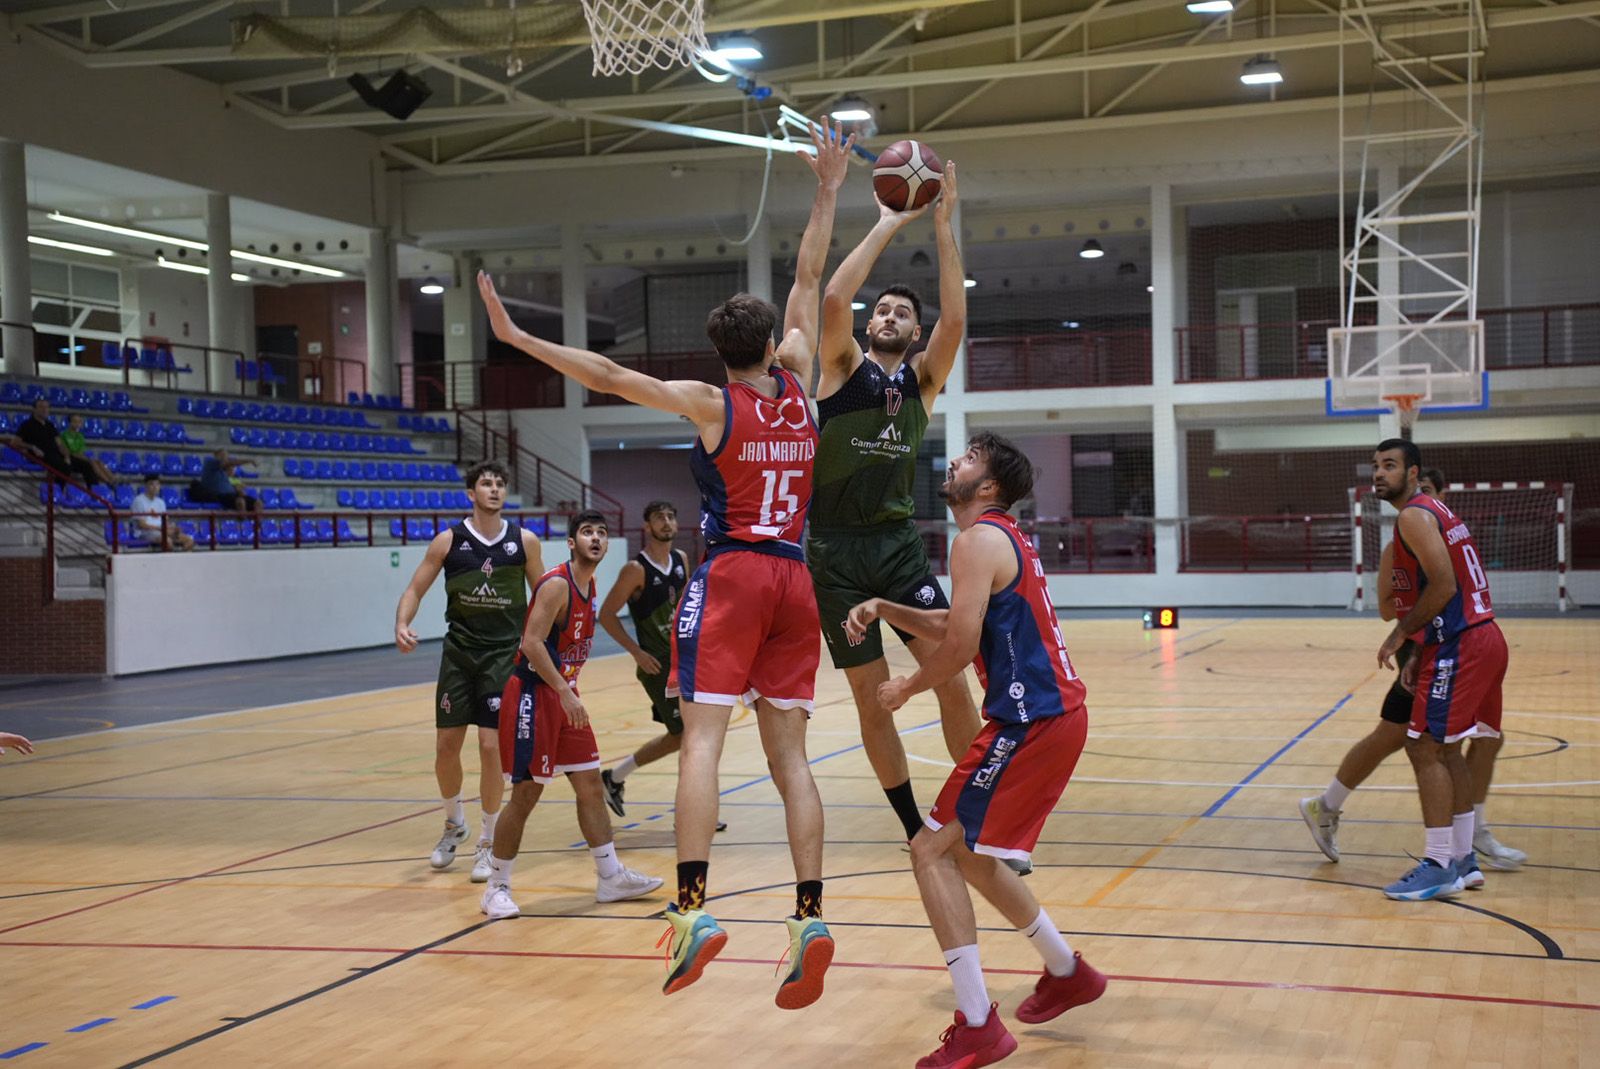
(53,479)
(1087,546)
(301,530)
(532,477)
(1308,543)
(1053,361)
(446,386)
(700,366)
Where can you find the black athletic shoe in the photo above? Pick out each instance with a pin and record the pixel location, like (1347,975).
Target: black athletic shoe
(613,792)
(722,826)
(1018,865)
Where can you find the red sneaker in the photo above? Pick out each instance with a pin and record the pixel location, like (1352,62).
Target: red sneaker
(1054,995)
(962,1047)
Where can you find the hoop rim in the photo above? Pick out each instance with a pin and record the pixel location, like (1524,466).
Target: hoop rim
(1405,402)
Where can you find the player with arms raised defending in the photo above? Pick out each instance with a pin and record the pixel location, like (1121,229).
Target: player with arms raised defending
(995,803)
(488,563)
(874,408)
(1441,596)
(747,625)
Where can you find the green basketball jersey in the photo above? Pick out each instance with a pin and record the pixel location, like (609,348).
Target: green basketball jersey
(867,460)
(485,587)
(656,603)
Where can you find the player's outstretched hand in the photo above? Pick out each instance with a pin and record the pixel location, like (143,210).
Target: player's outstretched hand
(16,742)
(647,664)
(499,318)
(860,618)
(945,207)
(832,158)
(577,715)
(405,639)
(893,694)
(1390,647)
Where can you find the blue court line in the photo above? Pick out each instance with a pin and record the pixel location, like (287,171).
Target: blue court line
(96,1023)
(158,1000)
(1263,766)
(25,1048)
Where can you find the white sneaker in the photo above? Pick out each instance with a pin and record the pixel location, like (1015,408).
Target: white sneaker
(480,863)
(497,903)
(444,854)
(1497,854)
(1324,825)
(625,885)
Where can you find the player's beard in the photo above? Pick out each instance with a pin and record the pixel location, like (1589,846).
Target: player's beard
(891,346)
(957,493)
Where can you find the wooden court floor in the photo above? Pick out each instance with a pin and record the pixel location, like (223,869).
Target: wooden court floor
(252,888)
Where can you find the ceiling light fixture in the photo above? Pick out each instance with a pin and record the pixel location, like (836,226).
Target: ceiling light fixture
(734,48)
(431,288)
(1261,71)
(195,269)
(69,246)
(851,109)
(1091,250)
(969,283)
(857,306)
(197,246)
(1210,7)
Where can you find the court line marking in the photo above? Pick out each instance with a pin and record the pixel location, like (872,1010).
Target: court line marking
(1285,748)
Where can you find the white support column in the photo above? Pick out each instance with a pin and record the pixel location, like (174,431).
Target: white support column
(16,272)
(1166,438)
(382,375)
(758,261)
(466,339)
(1389,281)
(220,297)
(574,303)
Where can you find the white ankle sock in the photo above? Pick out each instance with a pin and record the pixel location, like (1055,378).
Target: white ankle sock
(1461,833)
(624,766)
(972,997)
(454,811)
(1440,842)
(1480,822)
(500,870)
(487,835)
(1334,797)
(1051,945)
(606,864)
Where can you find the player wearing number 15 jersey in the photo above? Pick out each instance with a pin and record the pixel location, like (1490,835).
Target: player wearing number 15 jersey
(746,626)
(1442,600)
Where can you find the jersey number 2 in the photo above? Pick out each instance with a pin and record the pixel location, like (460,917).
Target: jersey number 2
(778,505)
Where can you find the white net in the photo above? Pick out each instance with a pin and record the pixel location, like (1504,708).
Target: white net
(630,36)
(1521,530)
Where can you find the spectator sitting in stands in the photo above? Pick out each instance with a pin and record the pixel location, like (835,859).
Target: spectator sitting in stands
(38,438)
(216,484)
(73,439)
(148,527)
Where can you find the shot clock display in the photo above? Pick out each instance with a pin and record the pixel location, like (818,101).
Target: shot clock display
(1163,619)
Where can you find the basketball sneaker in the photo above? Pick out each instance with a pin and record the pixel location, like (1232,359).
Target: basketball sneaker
(1496,853)
(1054,995)
(497,902)
(613,792)
(1467,869)
(696,939)
(480,862)
(1428,880)
(444,854)
(811,952)
(1022,866)
(964,1047)
(1324,825)
(625,885)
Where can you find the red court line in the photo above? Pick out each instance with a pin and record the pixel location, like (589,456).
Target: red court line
(224,868)
(1253,985)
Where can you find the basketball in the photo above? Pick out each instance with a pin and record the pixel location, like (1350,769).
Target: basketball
(907,176)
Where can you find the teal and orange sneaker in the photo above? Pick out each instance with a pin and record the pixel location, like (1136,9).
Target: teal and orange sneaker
(811,952)
(696,939)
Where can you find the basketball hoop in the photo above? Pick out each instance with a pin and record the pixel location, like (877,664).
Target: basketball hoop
(630,36)
(1408,405)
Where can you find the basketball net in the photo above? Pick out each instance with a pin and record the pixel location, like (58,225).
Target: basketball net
(1408,405)
(630,36)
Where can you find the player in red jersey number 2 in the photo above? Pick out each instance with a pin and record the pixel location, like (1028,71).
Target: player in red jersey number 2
(994,804)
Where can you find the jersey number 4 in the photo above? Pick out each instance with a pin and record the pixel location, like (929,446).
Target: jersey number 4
(778,505)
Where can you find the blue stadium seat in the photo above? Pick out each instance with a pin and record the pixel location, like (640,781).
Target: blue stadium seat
(100,401)
(172,466)
(128,464)
(80,398)
(150,462)
(269,497)
(301,414)
(291,469)
(10,393)
(330,469)
(287,496)
(369,471)
(395,528)
(302,439)
(361,500)
(538,525)
(155,432)
(238,436)
(324,530)
(391,499)
(186,406)
(58,396)
(121,402)
(346,499)
(192,466)
(252,411)
(407,501)
(403,421)
(352,398)
(258,437)
(124,496)
(435,499)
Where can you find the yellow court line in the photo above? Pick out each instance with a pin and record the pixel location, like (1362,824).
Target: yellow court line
(1140,862)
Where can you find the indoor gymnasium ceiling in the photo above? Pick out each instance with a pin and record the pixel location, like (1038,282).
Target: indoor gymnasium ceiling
(947,69)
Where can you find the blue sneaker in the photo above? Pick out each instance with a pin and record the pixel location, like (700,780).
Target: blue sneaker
(1468,872)
(1428,880)
(810,952)
(696,939)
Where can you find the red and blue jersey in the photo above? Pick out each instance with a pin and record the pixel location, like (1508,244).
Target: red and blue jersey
(1470,604)
(570,639)
(755,487)
(1022,659)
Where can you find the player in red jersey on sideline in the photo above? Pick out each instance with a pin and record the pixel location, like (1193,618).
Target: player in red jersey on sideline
(746,628)
(993,806)
(1441,596)
(544,728)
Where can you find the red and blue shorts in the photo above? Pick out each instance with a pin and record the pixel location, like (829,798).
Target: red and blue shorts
(1008,782)
(747,628)
(1457,695)
(537,741)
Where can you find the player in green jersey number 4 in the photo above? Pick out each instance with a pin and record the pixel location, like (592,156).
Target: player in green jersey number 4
(874,408)
(489,563)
